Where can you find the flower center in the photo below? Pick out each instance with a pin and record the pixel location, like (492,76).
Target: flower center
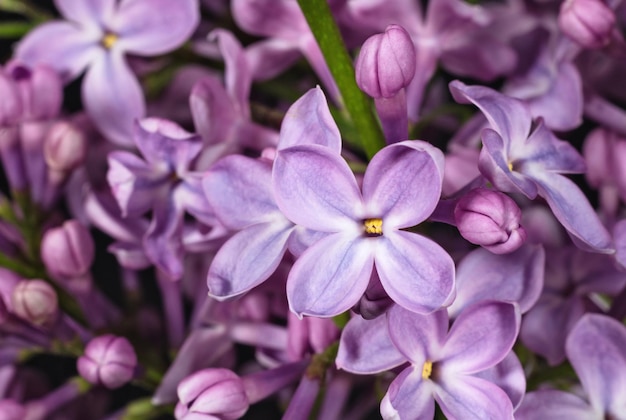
(108,40)
(373,227)
(427,370)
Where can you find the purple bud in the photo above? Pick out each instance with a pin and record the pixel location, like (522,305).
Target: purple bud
(386,63)
(109,360)
(588,22)
(65,147)
(35,301)
(68,250)
(490,219)
(40,89)
(212,393)
(10,105)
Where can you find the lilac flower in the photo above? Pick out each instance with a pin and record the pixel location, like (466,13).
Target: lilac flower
(514,159)
(588,22)
(164,183)
(109,360)
(96,37)
(315,188)
(449,367)
(595,348)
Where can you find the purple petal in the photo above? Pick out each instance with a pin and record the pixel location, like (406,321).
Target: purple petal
(248,259)
(87,12)
(470,397)
(237,76)
(555,405)
(113,97)
(331,276)
(573,211)
(133,183)
(247,184)
(308,121)
(153,27)
(619,233)
(595,347)
(481,337)
(162,141)
(402,183)
(270,57)
(415,271)
(315,188)
(515,277)
(366,348)
(63,46)
(418,337)
(509,117)
(213,111)
(270,18)
(409,397)
(509,376)
(162,242)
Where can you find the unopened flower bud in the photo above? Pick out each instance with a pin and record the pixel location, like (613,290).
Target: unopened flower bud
(386,63)
(35,301)
(40,88)
(108,360)
(588,22)
(490,219)
(212,393)
(65,147)
(68,250)
(11,104)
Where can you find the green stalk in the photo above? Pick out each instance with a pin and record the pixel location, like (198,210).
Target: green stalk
(358,105)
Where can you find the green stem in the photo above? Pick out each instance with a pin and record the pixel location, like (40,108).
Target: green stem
(358,105)
(26,9)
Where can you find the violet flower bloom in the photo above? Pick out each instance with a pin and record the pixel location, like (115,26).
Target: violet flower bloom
(96,37)
(595,348)
(164,183)
(454,368)
(315,188)
(514,159)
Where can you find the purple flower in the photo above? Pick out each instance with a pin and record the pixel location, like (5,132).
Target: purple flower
(514,159)
(68,250)
(454,368)
(595,348)
(588,22)
(96,37)
(108,360)
(315,188)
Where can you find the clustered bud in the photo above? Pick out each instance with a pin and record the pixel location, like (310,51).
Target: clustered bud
(108,360)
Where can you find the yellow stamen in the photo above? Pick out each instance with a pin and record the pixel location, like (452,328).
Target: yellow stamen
(427,370)
(108,40)
(373,227)
(510,165)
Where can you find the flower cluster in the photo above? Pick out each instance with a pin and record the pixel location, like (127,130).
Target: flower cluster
(192,227)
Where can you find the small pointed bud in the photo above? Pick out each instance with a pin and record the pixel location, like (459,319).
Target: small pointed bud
(386,63)
(68,250)
(214,393)
(65,147)
(490,219)
(108,360)
(35,301)
(588,22)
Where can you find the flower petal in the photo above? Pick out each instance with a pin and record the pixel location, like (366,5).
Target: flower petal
(331,276)
(87,12)
(152,27)
(509,376)
(555,405)
(63,46)
(315,188)
(308,121)
(409,397)
(162,242)
(247,184)
(470,397)
(481,337)
(515,277)
(113,97)
(595,347)
(247,259)
(415,271)
(366,348)
(402,183)
(573,211)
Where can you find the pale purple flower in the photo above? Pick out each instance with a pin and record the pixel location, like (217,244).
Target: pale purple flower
(595,348)
(514,159)
(96,37)
(454,367)
(315,188)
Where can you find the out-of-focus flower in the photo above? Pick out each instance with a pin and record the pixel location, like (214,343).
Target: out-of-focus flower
(65,147)
(68,250)
(35,301)
(95,38)
(588,22)
(108,360)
